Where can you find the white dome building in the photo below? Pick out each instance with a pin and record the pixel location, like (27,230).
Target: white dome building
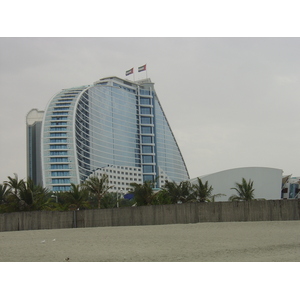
(266,182)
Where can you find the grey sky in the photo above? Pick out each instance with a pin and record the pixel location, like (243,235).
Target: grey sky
(231,102)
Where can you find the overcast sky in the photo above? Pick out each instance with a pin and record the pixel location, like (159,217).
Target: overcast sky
(231,102)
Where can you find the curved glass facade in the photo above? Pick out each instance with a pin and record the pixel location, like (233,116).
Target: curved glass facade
(114,126)
(59,166)
(169,158)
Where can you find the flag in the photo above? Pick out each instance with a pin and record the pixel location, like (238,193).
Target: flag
(142,68)
(129,72)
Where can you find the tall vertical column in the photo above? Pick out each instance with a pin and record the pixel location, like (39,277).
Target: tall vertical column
(146,129)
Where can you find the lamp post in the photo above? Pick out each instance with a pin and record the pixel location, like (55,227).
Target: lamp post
(121,192)
(55,196)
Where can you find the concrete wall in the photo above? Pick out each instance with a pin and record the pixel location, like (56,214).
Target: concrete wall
(36,220)
(272,210)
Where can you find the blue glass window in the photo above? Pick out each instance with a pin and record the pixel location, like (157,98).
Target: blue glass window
(59,159)
(59,118)
(59,166)
(60,113)
(148,169)
(147,159)
(60,180)
(146,129)
(62,188)
(144,92)
(60,173)
(58,146)
(65,98)
(146,101)
(58,152)
(58,134)
(148,178)
(146,110)
(58,123)
(58,140)
(146,139)
(146,120)
(147,149)
(63,104)
(58,128)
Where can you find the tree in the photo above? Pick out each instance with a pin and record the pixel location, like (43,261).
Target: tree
(24,195)
(162,197)
(3,193)
(3,197)
(77,197)
(203,192)
(97,187)
(110,200)
(33,196)
(245,191)
(143,193)
(13,199)
(40,196)
(14,185)
(181,192)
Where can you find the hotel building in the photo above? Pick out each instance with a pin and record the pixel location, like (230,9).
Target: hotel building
(114,126)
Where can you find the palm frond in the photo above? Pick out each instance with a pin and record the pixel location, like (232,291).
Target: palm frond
(245,191)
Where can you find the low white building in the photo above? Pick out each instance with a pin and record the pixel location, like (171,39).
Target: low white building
(267,182)
(290,187)
(120,177)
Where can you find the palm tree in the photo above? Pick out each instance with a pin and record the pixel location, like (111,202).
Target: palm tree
(162,197)
(203,192)
(77,197)
(56,201)
(3,193)
(3,197)
(39,194)
(245,191)
(14,185)
(25,195)
(181,192)
(110,200)
(14,201)
(143,193)
(97,187)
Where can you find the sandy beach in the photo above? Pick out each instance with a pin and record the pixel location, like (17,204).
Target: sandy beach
(201,242)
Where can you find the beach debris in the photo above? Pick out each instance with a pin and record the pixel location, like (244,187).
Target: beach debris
(67,259)
(53,240)
(43,241)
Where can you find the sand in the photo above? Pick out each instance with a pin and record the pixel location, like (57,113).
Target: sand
(201,242)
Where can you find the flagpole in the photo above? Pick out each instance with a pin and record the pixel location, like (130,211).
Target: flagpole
(146,72)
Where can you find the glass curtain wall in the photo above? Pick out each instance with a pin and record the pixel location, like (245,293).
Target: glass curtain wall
(115,123)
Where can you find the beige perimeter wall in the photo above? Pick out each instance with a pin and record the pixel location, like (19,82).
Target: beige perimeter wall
(270,210)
